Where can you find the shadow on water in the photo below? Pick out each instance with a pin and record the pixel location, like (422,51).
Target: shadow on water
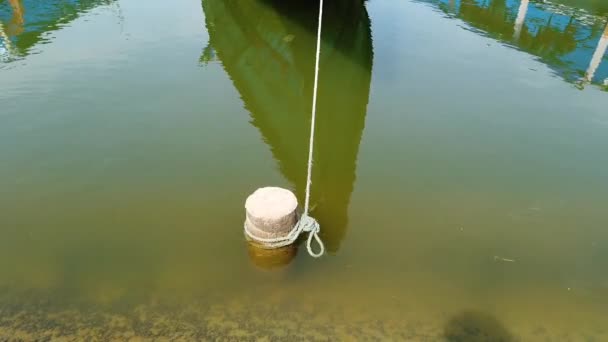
(473,326)
(569,37)
(26,23)
(267,48)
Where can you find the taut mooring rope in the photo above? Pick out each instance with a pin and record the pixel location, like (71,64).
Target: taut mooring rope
(305,223)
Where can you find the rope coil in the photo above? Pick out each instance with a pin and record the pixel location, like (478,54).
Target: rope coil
(306,222)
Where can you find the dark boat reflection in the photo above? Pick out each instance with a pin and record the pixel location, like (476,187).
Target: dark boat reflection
(267,49)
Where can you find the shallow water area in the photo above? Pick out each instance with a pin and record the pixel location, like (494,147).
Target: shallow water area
(459,175)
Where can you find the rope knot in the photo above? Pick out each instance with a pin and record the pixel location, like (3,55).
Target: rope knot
(310,225)
(305,224)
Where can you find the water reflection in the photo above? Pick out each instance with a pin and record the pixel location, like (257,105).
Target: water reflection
(570,40)
(26,23)
(521,17)
(267,48)
(597,58)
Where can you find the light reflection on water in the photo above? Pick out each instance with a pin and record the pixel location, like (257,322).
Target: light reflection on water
(570,40)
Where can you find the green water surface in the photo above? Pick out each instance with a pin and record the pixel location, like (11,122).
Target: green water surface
(460,175)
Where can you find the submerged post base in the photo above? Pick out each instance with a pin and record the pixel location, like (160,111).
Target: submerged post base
(271,259)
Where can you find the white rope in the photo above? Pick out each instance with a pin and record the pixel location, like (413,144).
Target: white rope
(314,112)
(306,223)
(306,220)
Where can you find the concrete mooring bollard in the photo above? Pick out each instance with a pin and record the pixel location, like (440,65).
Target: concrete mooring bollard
(271,214)
(272,221)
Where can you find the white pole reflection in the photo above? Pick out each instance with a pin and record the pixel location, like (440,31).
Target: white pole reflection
(5,44)
(596,60)
(521,17)
(15,27)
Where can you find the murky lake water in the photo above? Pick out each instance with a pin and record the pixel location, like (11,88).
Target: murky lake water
(460,178)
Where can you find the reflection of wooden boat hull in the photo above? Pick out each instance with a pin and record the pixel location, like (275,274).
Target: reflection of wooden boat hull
(270,59)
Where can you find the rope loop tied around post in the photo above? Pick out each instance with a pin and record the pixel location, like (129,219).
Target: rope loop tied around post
(310,225)
(305,224)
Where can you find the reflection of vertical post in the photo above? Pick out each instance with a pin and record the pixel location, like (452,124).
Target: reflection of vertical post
(452,6)
(521,17)
(17,8)
(15,27)
(6,49)
(597,56)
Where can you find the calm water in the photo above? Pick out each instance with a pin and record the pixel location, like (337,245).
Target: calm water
(460,178)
